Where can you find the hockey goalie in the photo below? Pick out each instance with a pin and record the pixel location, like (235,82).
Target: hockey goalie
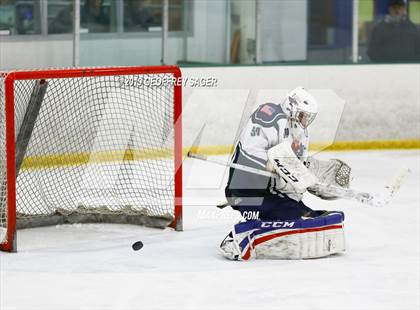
(276,139)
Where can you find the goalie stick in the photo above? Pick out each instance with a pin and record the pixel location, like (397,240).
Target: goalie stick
(347,193)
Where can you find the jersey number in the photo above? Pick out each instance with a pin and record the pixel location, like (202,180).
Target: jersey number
(255,131)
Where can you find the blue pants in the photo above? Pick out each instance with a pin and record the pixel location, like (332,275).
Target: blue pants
(275,208)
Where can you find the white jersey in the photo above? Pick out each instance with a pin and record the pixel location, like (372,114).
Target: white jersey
(267,127)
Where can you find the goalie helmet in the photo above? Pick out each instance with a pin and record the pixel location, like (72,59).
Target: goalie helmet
(300,106)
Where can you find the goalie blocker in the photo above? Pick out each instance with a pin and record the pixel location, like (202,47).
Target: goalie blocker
(298,239)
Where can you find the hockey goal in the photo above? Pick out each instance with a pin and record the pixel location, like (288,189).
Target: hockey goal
(90,145)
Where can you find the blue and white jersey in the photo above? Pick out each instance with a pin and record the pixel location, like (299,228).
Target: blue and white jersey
(267,127)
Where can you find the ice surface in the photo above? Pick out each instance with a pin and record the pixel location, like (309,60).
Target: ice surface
(93,266)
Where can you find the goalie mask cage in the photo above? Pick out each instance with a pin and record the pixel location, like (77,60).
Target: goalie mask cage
(90,145)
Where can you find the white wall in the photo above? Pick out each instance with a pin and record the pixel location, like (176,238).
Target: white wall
(209,41)
(243,13)
(18,54)
(381,101)
(283,29)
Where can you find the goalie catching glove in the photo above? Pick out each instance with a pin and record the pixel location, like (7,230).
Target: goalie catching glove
(329,172)
(295,178)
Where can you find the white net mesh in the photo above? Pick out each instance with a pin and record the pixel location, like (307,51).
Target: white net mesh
(98,147)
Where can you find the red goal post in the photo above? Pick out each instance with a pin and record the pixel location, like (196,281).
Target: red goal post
(90,145)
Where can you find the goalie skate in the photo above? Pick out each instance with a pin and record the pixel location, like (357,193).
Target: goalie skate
(229,248)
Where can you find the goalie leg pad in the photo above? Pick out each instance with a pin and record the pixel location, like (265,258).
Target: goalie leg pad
(298,239)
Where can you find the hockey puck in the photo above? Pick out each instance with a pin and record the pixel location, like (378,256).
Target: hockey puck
(137,245)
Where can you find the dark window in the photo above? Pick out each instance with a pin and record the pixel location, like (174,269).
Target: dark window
(20,17)
(60,16)
(96,16)
(146,15)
